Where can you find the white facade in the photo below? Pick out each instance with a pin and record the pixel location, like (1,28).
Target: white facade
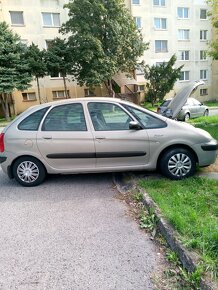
(179,27)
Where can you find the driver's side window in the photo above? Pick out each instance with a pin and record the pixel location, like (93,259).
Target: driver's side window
(108,117)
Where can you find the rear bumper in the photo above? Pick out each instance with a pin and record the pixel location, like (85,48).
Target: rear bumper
(3,159)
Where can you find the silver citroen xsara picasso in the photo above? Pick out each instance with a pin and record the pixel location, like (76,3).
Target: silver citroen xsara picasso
(100,135)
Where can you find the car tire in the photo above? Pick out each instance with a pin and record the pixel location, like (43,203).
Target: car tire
(186,117)
(178,163)
(29,171)
(206,113)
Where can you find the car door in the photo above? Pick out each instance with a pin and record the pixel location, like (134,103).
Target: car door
(199,110)
(116,145)
(65,140)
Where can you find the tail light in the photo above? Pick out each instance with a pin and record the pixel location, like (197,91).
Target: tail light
(2,147)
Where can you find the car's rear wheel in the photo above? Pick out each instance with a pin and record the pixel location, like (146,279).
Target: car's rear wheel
(178,163)
(186,117)
(206,113)
(29,171)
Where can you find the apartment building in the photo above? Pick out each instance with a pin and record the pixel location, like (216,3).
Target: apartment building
(178,27)
(38,21)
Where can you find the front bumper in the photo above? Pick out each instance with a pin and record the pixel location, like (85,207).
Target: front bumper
(210,146)
(206,152)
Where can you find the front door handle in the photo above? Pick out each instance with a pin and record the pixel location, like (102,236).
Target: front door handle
(100,138)
(47,137)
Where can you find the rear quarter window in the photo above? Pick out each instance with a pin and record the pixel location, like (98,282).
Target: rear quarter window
(32,122)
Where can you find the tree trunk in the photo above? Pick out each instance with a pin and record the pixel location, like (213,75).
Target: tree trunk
(65,87)
(4,101)
(39,94)
(109,87)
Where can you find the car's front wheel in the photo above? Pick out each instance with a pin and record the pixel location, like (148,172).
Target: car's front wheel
(29,171)
(178,163)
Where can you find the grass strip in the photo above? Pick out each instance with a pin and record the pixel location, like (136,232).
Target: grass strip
(191,207)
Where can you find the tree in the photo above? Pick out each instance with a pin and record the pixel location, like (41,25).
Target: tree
(59,60)
(213,51)
(104,40)
(37,64)
(14,69)
(161,79)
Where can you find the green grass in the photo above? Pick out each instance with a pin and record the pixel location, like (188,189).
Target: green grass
(191,207)
(211,103)
(210,124)
(148,105)
(204,120)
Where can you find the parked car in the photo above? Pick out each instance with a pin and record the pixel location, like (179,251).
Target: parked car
(100,135)
(182,106)
(192,109)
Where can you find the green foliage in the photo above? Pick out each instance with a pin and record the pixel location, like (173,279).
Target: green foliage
(13,63)
(103,38)
(148,220)
(36,60)
(190,206)
(14,68)
(161,79)
(213,13)
(58,57)
(138,196)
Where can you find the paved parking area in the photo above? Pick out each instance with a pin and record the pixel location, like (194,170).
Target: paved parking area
(71,233)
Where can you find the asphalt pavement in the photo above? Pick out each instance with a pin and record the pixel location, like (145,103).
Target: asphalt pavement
(71,233)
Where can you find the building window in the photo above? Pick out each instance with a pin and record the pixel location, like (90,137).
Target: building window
(17,18)
(139,70)
(60,94)
(184,55)
(159,2)
(138,22)
(89,92)
(51,19)
(56,75)
(184,76)
(136,2)
(203,92)
(48,43)
(183,34)
(141,88)
(203,74)
(161,46)
(203,14)
(203,34)
(160,23)
(29,97)
(183,12)
(203,55)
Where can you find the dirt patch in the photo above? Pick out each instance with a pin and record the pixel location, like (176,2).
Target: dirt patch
(211,168)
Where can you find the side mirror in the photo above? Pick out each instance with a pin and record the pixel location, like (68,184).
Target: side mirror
(134,125)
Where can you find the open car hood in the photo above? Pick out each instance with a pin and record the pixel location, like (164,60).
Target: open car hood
(180,99)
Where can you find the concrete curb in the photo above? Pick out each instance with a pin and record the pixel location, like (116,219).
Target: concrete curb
(188,259)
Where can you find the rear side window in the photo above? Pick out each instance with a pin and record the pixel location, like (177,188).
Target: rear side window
(165,103)
(31,123)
